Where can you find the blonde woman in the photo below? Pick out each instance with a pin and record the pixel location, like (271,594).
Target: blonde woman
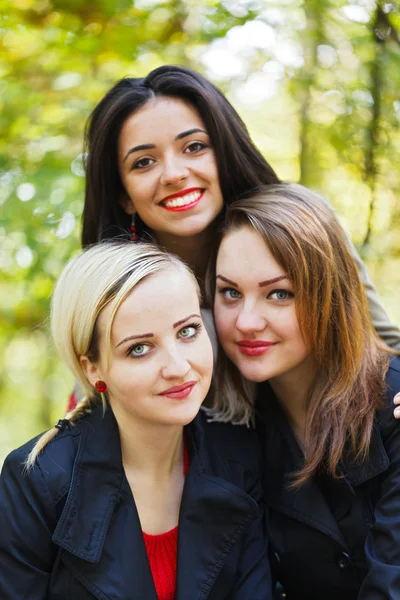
(133,495)
(292,317)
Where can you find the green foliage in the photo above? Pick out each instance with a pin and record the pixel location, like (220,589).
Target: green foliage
(316,81)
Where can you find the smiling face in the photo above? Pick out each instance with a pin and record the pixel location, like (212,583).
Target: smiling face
(168,169)
(254,310)
(160,355)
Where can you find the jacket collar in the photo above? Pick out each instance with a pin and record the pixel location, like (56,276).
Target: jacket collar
(94,489)
(283,456)
(212,517)
(100,524)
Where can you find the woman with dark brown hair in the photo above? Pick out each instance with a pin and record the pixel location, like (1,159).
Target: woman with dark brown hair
(160,138)
(292,316)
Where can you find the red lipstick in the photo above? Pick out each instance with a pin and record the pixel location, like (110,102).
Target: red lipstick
(179,392)
(254,347)
(199,193)
(181,193)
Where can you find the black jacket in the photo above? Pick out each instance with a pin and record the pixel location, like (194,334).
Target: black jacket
(334,539)
(70,530)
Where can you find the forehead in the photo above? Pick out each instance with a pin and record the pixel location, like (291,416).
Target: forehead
(244,256)
(154,304)
(161,117)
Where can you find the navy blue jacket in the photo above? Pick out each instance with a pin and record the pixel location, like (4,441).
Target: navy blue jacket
(70,530)
(334,539)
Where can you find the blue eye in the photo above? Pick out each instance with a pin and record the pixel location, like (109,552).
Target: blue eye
(138,350)
(280,295)
(230,293)
(190,331)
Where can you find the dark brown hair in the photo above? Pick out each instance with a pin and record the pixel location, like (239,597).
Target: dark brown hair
(241,167)
(306,239)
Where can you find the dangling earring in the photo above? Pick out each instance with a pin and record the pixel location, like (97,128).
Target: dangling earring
(101,386)
(132,228)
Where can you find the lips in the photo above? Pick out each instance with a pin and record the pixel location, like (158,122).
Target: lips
(183,200)
(179,392)
(254,347)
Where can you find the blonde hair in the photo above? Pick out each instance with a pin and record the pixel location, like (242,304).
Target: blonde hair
(104,273)
(307,241)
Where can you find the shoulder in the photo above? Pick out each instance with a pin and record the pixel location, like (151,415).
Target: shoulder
(229,452)
(232,443)
(52,470)
(393,375)
(385,417)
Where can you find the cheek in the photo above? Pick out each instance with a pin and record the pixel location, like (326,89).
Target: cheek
(205,357)
(128,183)
(214,173)
(139,190)
(285,321)
(209,168)
(293,334)
(129,377)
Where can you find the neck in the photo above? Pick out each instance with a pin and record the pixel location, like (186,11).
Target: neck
(152,449)
(194,250)
(292,390)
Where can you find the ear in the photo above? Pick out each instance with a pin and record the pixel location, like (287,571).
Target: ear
(127,203)
(92,370)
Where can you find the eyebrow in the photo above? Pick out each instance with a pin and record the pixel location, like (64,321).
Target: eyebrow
(184,134)
(135,337)
(147,335)
(137,148)
(186,319)
(180,136)
(273,280)
(261,283)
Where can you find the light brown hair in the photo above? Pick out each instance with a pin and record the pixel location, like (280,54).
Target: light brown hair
(306,239)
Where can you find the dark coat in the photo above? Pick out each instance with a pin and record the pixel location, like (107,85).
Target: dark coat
(334,539)
(69,530)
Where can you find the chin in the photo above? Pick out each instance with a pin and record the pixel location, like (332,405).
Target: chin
(258,378)
(256,375)
(184,415)
(196,225)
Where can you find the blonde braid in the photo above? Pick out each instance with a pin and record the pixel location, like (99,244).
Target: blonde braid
(84,406)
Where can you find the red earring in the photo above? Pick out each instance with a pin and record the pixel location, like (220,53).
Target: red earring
(101,386)
(132,229)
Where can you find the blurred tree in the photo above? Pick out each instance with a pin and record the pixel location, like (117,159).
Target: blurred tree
(316,80)
(383,34)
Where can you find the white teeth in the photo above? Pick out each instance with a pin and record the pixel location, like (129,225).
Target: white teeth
(183,200)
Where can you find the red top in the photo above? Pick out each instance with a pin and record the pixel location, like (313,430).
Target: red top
(162,551)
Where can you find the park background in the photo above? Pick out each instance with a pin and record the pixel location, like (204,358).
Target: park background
(316,81)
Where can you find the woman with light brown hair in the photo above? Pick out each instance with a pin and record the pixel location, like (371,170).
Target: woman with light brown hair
(292,316)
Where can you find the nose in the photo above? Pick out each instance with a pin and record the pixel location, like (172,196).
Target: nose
(174,170)
(250,320)
(176,366)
